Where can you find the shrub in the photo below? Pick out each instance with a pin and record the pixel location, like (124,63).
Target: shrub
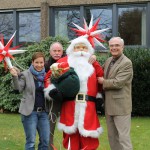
(141,80)
(9,100)
(140,58)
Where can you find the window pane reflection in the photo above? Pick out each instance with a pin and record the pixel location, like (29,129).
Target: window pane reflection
(63,22)
(29,27)
(105,15)
(132,25)
(6,25)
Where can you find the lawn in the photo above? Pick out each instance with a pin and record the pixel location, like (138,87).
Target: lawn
(12,135)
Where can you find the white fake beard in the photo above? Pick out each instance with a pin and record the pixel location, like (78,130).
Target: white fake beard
(79,61)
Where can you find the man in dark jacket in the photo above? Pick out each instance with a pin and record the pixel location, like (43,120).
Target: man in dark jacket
(56,52)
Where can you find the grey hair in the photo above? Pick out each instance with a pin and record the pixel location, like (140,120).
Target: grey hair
(119,38)
(54,44)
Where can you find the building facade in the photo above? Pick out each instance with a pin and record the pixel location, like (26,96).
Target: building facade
(34,20)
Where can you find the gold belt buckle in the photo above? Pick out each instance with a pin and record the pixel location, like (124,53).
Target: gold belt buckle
(80,97)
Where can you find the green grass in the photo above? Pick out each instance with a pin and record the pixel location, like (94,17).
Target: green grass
(12,134)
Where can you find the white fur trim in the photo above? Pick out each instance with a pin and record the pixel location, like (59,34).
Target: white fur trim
(79,40)
(73,128)
(47,90)
(67,129)
(91,133)
(84,132)
(79,123)
(83,69)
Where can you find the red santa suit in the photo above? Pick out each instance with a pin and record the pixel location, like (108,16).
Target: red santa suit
(78,118)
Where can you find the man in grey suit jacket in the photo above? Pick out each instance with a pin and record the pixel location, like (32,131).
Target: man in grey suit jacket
(117,85)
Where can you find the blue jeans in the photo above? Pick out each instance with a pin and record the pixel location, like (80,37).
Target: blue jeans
(36,121)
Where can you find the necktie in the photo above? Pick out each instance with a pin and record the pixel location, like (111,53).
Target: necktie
(110,66)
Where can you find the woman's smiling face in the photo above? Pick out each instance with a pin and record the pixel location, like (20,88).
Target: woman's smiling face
(38,63)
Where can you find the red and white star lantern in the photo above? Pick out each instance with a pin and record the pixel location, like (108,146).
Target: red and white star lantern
(90,32)
(6,52)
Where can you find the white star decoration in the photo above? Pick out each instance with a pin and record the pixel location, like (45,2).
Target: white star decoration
(90,32)
(6,52)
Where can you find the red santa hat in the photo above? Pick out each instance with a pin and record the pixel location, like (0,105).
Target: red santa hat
(78,41)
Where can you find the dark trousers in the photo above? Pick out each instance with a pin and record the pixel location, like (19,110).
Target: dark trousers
(56,107)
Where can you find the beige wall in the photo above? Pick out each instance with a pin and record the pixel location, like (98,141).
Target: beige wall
(12,4)
(18,4)
(84,2)
(43,5)
(44,20)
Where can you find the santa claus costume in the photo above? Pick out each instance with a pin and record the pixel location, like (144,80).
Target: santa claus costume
(78,118)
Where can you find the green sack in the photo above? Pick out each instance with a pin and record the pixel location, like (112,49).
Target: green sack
(68,83)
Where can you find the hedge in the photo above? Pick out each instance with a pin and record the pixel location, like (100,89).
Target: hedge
(9,99)
(141,80)
(140,58)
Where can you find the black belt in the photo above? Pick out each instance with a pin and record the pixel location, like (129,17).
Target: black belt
(81,98)
(90,98)
(39,109)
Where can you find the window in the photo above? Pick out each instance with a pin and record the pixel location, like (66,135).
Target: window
(29,27)
(64,19)
(63,22)
(6,25)
(105,15)
(132,25)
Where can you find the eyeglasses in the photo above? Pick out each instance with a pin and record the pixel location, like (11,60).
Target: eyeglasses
(114,45)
